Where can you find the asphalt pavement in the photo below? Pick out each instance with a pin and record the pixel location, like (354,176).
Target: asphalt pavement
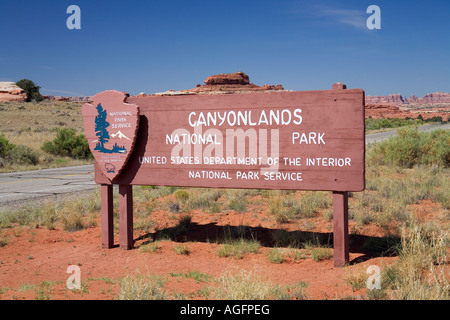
(380,136)
(18,187)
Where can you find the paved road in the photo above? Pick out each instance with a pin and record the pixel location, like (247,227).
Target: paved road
(21,186)
(377,137)
(17,187)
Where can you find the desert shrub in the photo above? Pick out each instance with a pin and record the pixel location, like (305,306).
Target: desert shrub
(283,209)
(376,124)
(419,274)
(23,155)
(71,220)
(204,199)
(5,146)
(68,144)
(312,201)
(434,119)
(436,148)
(237,200)
(48,216)
(181,195)
(410,148)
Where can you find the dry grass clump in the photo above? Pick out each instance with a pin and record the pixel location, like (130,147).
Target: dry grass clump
(284,208)
(142,287)
(72,214)
(245,286)
(238,248)
(420,272)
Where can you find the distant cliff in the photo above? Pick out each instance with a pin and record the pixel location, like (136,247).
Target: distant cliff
(397,99)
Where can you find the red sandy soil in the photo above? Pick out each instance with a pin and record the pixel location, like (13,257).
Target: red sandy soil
(37,256)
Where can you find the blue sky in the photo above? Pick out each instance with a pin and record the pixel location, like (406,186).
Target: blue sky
(153,46)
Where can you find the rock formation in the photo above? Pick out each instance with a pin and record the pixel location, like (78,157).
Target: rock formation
(431,105)
(377,111)
(237,78)
(9,91)
(397,99)
(225,83)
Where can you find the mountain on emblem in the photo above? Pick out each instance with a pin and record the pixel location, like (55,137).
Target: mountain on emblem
(110,146)
(119,135)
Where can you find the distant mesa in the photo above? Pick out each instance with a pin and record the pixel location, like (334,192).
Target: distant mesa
(9,91)
(396,106)
(225,83)
(237,78)
(398,99)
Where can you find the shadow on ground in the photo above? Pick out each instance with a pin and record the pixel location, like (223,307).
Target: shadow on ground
(368,246)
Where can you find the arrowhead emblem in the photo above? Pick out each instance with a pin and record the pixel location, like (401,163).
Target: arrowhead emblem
(111,126)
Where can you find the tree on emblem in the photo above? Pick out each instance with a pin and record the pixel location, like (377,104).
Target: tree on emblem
(101,126)
(102,133)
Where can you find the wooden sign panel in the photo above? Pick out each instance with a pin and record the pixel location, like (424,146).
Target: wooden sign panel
(304,140)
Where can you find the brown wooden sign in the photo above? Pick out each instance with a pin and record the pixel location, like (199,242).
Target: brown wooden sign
(312,140)
(301,140)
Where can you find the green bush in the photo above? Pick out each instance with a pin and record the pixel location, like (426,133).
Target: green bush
(20,154)
(23,155)
(410,148)
(5,146)
(377,124)
(181,195)
(68,144)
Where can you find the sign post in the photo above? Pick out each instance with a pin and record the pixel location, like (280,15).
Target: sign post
(340,218)
(107,216)
(297,140)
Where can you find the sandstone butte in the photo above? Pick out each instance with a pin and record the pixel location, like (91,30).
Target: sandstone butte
(224,83)
(9,91)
